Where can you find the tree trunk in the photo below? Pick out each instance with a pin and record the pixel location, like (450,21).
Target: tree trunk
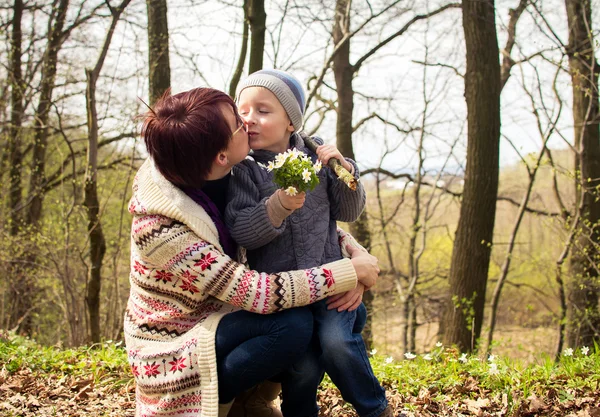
(90,200)
(239,69)
(25,289)
(583,318)
(473,243)
(16,118)
(258,26)
(158,49)
(343,72)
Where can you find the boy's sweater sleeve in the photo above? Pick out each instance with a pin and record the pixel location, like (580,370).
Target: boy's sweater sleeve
(346,204)
(246,213)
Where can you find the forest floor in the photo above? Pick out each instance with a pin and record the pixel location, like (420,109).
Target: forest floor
(26,393)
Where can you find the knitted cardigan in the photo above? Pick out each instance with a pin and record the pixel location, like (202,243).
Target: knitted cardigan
(182,285)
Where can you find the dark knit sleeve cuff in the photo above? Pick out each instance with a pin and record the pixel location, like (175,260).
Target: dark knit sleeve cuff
(275,210)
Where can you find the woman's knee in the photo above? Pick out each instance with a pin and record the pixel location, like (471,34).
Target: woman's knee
(296,325)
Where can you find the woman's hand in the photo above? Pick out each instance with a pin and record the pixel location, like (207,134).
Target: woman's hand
(291,202)
(326,152)
(365,265)
(349,300)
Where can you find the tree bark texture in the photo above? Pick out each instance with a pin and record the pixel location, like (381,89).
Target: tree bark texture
(258,26)
(583,317)
(158,49)
(473,243)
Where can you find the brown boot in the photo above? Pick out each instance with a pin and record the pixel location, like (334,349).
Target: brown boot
(258,401)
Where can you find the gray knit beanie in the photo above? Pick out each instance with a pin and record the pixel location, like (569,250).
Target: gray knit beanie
(286,88)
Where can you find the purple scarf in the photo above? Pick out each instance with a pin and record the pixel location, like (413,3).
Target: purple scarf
(225,239)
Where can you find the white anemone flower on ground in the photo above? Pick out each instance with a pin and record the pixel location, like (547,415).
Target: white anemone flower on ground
(427,357)
(491,358)
(373,351)
(291,191)
(389,359)
(439,344)
(463,358)
(410,355)
(494,369)
(585,350)
(568,352)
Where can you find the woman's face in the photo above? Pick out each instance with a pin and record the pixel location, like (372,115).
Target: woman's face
(238,147)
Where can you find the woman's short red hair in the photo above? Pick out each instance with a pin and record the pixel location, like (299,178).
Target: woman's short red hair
(185,132)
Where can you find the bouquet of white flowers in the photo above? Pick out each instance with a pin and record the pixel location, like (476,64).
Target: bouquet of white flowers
(294,171)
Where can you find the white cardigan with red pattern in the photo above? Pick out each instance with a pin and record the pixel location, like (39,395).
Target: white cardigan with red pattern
(182,284)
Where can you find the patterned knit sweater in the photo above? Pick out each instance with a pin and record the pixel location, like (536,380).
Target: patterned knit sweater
(182,285)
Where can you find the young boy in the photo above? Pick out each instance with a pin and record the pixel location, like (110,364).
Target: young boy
(282,232)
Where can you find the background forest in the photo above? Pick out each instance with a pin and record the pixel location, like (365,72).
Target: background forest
(476,127)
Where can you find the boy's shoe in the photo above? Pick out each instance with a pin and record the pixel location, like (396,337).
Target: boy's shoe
(258,401)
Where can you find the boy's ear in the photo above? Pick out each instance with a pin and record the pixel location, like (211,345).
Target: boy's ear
(290,127)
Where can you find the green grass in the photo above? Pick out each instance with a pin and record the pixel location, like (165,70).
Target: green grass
(106,363)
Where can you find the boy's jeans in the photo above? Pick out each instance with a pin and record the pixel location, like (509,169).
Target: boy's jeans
(344,357)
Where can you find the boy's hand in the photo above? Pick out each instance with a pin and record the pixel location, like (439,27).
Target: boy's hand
(291,202)
(326,152)
(349,300)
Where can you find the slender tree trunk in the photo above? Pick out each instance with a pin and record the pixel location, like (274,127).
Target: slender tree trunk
(473,243)
(158,49)
(258,26)
(25,290)
(583,317)
(16,118)
(343,72)
(239,69)
(90,200)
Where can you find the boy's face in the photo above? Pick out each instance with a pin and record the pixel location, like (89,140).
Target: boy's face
(269,126)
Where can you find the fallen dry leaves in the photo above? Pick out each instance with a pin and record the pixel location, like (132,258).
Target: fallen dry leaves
(26,394)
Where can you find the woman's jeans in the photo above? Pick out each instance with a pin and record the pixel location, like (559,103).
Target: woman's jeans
(253,347)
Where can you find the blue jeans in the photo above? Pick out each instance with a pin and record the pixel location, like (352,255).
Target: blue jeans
(253,347)
(344,358)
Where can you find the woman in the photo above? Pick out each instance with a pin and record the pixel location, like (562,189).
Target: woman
(193,338)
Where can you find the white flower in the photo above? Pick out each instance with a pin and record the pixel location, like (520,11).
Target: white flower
(439,344)
(306,175)
(568,352)
(291,191)
(280,160)
(491,358)
(318,166)
(293,154)
(270,166)
(585,350)
(463,358)
(410,355)
(494,369)
(373,352)
(389,359)
(427,357)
